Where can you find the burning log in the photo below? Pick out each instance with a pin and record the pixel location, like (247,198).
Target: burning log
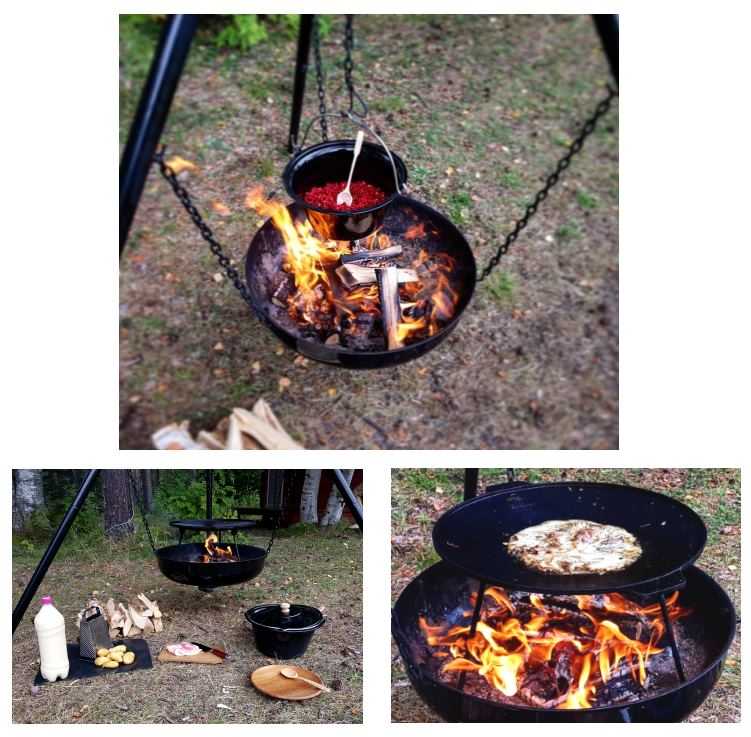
(388,288)
(215,553)
(352,275)
(374,255)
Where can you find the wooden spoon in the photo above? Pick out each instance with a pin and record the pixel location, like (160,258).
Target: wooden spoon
(345,196)
(292,673)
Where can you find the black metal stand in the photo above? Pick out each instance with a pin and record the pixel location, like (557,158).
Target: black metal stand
(209,494)
(53,547)
(607,28)
(473,623)
(301,71)
(352,502)
(148,123)
(471,476)
(671,640)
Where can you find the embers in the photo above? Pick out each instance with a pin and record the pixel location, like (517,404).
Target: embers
(216,553)
(335,293)
(554,652)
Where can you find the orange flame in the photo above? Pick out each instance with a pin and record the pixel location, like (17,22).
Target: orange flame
(214,551)
(509,649)
(310,261)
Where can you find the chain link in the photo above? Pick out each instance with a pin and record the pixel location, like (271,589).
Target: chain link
(206,233)
(550,182)
(348,43)
(319,80)
(142,510)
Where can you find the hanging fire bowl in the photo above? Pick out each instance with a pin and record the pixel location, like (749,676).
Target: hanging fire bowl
(406,220)
(187,563)
(330,162)
(462,591)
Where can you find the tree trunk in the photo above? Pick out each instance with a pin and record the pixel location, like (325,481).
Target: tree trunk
(27,495)
(118,506)
(335,504)
(148,490)
(309,497)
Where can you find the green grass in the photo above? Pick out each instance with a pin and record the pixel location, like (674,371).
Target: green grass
(586,200)
(501,287)
(511,180)
(569,231)
(458,206)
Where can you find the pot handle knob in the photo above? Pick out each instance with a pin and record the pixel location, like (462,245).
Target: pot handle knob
(284,609)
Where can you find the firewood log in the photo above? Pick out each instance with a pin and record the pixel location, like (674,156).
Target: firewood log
(377,254)
(352,275)
(388,288)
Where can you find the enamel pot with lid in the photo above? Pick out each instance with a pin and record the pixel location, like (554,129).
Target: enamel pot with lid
(330,162)
(283,631)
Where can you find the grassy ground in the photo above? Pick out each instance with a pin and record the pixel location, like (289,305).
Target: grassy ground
(305,566)
(419,497)
(480,108)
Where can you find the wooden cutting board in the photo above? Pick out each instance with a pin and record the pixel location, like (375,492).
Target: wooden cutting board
(202,658)
(270,681)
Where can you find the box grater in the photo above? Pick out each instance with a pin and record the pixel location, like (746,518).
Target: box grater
(94,633)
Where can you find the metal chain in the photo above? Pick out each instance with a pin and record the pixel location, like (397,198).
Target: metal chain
(206,233)
(271,540)
(319,80)
(348,42)
(142,510)
(551,181)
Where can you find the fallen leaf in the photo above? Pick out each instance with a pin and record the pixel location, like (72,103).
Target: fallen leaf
(218,278)
(219,346)
(255,367)
(331,392)
(220,207)
(179,164)
(284,383)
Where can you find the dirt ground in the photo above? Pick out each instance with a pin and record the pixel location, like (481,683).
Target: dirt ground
(319,568)
(419,497)
(480,108)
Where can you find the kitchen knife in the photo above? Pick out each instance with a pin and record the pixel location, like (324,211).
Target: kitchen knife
(215,651)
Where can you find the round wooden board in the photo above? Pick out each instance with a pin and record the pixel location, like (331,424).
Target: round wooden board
(270,681)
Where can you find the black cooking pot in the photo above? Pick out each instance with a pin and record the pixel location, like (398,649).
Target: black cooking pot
(283,637)
(330,162)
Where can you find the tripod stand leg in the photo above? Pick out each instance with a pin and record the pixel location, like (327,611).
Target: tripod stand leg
(301,71)
(53,547)
(149,120)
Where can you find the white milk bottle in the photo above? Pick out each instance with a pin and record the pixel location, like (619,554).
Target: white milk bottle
(50,627)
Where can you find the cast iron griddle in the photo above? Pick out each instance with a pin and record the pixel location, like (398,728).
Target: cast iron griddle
(80,668)
(471,535)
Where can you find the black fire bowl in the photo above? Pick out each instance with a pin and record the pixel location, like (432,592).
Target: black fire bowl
(441,591)
(330,162)
(265,259)
(180,563)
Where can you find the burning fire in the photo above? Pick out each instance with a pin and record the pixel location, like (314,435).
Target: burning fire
(215,552)
(549,655)
(320,301)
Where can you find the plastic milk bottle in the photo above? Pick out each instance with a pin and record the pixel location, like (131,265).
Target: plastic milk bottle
(50,628)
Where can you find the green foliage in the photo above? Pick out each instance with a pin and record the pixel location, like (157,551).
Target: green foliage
(511,180)
(458,207)
(243,32)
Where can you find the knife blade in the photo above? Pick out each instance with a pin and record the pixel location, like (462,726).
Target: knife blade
(215,651)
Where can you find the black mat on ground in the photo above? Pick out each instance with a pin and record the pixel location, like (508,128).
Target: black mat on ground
(80,668)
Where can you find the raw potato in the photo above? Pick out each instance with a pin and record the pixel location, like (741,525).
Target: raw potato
(101,660)
(118,649)
(117,657)
(110,664)
(128,658)
(102,652)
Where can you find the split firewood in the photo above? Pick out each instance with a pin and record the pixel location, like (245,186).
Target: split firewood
(352,275)
(242,430)
(388,288)
(377,254)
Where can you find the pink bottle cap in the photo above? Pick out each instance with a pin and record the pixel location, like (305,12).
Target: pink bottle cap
(46,600)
